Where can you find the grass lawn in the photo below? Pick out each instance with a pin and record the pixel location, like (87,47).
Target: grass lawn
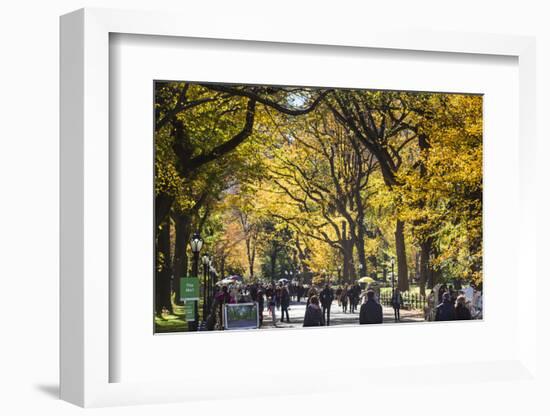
(170,323)
(174,322)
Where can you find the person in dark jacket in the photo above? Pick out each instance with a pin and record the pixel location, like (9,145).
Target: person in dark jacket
(445,310)
(344,299)
(326,296)
(260,300)
(338,294)
(278,296)
(253,290)
(396,302)
(462,313)
(350,295)
(299,292)
(313,315)
(356,295)
(285,303)
(269,292)
(371,311)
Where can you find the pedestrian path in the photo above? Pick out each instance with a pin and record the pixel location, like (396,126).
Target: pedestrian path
(337,316)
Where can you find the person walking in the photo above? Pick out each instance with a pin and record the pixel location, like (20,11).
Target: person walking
(313,315)
(344,299)
(269,291)
(338,295)
(271,304)
(278,296)
(445,310)
(299,292)
(285,303)
(357,295)
(396,302)
(462,312)
(260,301)
(221,298)
(371,311)
(350,293)
(253,291)
(326,296)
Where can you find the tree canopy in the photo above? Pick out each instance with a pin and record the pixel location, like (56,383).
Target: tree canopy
(304,182)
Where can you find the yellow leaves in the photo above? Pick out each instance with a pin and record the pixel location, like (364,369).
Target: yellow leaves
(300,173)
(167,179)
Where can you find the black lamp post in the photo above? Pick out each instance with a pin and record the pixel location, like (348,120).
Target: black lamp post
(196,246)
(211,282)
(339,275)
(206,294)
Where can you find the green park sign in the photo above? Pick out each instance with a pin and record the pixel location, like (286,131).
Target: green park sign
(189,289)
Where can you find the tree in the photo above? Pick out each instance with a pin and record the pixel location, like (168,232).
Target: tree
(324,175)
(198,129)
(380,122)
(442,192)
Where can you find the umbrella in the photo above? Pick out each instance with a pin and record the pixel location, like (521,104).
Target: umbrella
(235,277)
(283,280)
(226,281)
(366,279)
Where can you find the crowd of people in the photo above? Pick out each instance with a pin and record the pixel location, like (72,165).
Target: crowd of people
(452,304)
(443,304)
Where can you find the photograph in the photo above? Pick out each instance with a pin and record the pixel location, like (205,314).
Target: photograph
(280,207)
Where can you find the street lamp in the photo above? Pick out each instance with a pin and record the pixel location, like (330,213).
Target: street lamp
(206,294)
(211,281)
(196,246)
(360,270)
(339,275)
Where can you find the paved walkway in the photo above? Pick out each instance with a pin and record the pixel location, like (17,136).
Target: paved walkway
(337,316)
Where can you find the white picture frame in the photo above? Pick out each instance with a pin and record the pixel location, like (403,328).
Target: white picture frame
(85,264)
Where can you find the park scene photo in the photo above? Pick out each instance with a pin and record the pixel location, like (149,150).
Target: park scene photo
(297,207)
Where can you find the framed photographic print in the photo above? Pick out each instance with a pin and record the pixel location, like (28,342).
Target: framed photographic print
(283,194)
(301,198)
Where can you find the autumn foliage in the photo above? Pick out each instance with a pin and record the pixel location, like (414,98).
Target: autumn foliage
(318,183)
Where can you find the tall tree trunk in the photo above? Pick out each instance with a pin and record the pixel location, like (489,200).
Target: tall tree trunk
(183,234)
(251,255)
(345,265)
(222,268)
(163,203)
(402,270)
(434,274)
(347,254)
(163,271)
(373,260)
(360,224)
(360,246)
(425,268)
(273,262)
(426,273)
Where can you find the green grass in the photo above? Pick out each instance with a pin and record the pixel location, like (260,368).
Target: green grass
(170,323)
(174,322)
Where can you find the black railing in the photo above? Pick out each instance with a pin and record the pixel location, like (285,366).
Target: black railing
(410,300)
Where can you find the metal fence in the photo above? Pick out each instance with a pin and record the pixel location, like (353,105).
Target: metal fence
(410,300)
